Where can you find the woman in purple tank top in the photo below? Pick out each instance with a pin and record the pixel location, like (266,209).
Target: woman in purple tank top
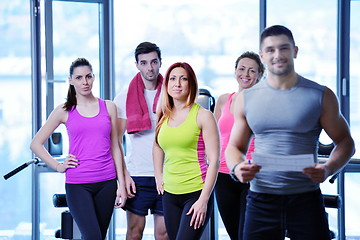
(94,164)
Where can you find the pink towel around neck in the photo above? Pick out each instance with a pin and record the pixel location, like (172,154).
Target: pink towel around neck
(137,113)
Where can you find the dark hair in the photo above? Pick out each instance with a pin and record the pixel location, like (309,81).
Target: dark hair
(71,96)
(147,47)
(166,103)
(275,31)
(253,56)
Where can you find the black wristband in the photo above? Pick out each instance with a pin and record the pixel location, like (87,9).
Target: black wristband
(232,173)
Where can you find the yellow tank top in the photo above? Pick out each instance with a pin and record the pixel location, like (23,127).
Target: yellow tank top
(185,164)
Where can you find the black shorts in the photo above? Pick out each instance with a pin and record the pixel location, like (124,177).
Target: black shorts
(146,198)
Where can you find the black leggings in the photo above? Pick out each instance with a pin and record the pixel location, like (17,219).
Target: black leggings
(231,201)
(177,222)
(91,206)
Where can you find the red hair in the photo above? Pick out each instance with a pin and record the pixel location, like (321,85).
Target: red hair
(166,103)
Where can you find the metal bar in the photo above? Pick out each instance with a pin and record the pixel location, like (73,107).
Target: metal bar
(49,56)
(343,56)
(36,106)
(106,37)
(262,8)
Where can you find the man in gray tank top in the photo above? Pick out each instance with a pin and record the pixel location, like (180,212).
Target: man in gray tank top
(286,113)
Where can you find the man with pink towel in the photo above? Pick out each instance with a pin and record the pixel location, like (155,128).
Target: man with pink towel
(136,108)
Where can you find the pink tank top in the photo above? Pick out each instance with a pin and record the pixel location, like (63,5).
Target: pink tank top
(90,142)
(225,123)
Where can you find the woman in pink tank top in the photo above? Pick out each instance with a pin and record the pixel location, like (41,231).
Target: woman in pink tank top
(230,194)
(94,164)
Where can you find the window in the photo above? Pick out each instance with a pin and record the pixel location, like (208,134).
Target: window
(354,73)
(352,210)
(15,118)
(316,40)
(209,40)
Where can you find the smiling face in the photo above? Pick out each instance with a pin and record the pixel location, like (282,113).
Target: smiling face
(82,79)
(278,53)
(178,85)
(247,73)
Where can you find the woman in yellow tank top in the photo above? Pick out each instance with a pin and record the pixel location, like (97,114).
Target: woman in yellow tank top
(186,155)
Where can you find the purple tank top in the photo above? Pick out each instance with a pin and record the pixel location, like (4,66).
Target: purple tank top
(90,142)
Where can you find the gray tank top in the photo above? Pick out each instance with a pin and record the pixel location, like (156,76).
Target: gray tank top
(284,122)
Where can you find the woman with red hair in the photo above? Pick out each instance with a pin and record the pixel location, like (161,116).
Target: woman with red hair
(186,155)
